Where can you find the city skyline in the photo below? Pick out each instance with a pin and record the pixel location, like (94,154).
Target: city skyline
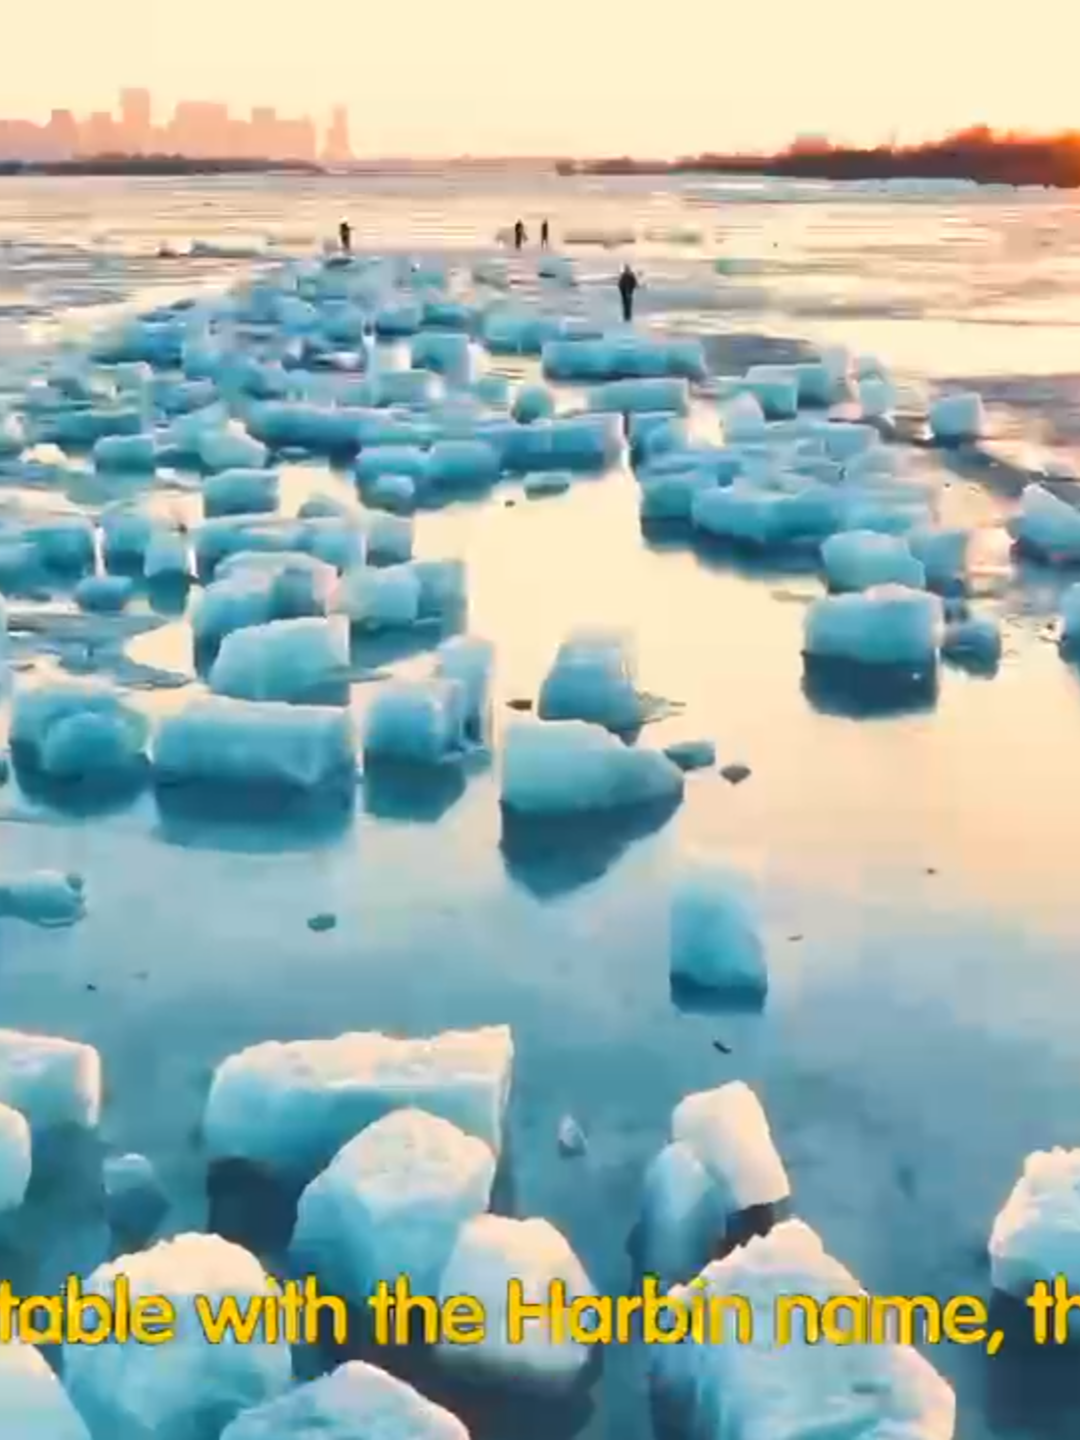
(196,130)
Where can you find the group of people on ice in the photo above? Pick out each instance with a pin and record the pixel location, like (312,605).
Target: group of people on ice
(627,282)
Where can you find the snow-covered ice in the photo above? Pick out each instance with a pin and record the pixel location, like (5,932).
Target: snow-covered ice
(729,1133)
(716,939)
(216,740)
(357,1401)
(418,722)
(290,1107)
(563,768)
(593,678)
(301,661)
(861,559)
(956,418)
(889,625)
(392,1202)
(51,1081)
(33,1402)
(163,1392)
(749,1391)
(15,1164)
(1036,1234)
(293,586)
(491,1252)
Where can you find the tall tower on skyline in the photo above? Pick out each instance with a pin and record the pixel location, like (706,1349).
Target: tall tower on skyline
(136,120)
(338,149)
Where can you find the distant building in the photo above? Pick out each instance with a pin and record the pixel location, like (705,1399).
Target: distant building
(136,121)
(338,149)
(63,135)
(99,135)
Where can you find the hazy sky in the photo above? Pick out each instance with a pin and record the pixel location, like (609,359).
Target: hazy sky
(563,76)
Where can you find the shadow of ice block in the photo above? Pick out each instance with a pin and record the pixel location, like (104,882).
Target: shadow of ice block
(550,856)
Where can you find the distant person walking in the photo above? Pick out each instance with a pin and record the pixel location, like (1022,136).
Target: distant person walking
(545,236)
(628,284)
(519,235)
(345,234)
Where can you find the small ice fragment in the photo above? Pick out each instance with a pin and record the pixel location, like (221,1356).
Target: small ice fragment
(692,754)
(135,1202)
(44,898)
(957,418)
(15,1164)
(571,1137)
(715,933)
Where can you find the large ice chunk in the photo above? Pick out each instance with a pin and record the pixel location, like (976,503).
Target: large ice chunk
(323,430)
(671,497)
(419,722)
(64,542)
(13,439)
(727,1130)
(957,418)
(943,553)
(355,1402)
(860,559)
(684,1216)
(239,742)
(743,419)
(571,442)
(1036,1234)
(626,397)
(889,625)
(380,599)
(241,492)
(746,515)
(50,1081)
(1048,527)
(291,1107)
(716,940)
(34,1404)
(15,1164)
(392,1202)
(446,352)
(378,460)
(462,463)
(754,1388)
(468,660)
(167,1391)
(133,454)
(492,1252)
(624,357)
(230,449)
(776,389)
(302,661)
(569,767)
(292,587)
(592,678)
(533,402)
(78,731)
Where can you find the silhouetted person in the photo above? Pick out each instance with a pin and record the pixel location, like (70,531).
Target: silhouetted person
(345,232)
(628,283)
(545,235)
(519,235)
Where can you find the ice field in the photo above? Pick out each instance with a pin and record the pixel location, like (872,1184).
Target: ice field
(673,726)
